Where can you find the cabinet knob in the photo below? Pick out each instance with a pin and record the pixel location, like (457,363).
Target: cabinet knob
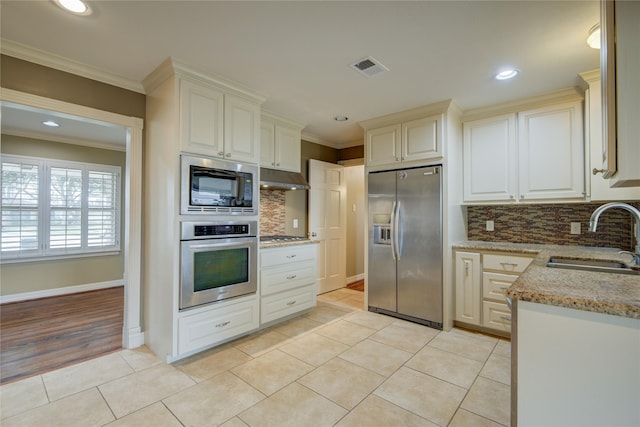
(277,164)
(228,155)
(522,196)
(273,164)
(220,153)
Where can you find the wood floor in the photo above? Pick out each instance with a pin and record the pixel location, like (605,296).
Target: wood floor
(41,335)
(357,286)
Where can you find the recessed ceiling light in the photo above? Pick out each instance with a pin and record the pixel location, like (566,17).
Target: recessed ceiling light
(341,118)
(593,40)
(507,74)
(77,7)
(50,123)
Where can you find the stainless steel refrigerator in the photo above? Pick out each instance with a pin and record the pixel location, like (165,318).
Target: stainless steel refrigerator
(405,244)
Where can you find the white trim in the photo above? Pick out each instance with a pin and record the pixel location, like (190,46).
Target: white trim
(60,291)
(355,278)
(37,56)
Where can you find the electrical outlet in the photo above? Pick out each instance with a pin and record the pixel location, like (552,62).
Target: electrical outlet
(489,225)
(295,223)
(575,228)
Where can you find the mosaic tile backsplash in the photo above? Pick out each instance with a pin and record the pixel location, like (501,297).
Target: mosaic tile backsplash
(272,212)
(550,224)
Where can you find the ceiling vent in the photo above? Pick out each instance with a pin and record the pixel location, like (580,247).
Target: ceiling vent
(369,67)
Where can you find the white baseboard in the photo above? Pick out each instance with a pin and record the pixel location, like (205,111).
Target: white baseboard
(355,278)
(132,338)
(60,291)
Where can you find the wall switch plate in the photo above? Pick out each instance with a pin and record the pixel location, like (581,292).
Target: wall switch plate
(489,225)
(575,228)
(295,223)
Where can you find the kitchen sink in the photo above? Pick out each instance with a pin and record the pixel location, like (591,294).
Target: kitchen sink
(603,266)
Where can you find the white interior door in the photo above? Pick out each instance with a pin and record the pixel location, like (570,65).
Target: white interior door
(327,222)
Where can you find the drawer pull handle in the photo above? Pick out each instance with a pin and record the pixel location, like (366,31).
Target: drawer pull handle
(508,264)
(223,324)
(292,302)
(291,256)
(291,277)
(506,318)
(504,288)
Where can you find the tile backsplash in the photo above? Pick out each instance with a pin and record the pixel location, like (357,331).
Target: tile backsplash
(550,224)
(272,212)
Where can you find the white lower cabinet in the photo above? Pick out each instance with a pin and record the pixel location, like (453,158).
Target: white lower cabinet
(212,325)
(482,280)
(288,281)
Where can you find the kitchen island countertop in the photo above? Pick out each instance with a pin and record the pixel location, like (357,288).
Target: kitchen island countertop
(610,293)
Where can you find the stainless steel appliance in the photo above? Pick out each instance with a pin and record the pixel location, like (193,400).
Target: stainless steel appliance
(217,187)
(219,260)
(405,244)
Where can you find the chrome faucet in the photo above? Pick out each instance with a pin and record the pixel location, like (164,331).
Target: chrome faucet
(593,224)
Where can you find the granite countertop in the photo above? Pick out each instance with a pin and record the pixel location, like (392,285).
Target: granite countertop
(610,293)
(280,244)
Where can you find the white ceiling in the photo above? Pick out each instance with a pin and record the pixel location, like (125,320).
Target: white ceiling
(298,53)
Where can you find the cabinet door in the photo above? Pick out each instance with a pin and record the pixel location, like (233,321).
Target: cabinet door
(489,159)
(551,152)
(201,119)
(267,144)
(383,145)
(241,129)
(421,139)
(287,149)
(468,299)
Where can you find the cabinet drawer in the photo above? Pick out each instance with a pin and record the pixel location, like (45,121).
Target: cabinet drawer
(494,285)
(283,278)
(288,254)
(506,263)
(216,324)
(289,302)
(496,316)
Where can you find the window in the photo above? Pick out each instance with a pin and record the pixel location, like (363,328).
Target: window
(53,208)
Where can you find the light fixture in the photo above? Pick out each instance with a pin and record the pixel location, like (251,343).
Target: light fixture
(51,123)
(77,7)
(341,118)
(593,39)
(507,74)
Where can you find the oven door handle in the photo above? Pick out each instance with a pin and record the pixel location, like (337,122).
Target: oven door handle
(241,243)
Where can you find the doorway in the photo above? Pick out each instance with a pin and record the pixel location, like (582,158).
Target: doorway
(132,335)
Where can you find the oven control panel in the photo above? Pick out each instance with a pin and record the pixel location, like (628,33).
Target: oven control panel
(217,229)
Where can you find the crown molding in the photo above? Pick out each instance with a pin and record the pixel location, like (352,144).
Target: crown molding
(309,137)
(536,101)
(440,107)
(37,56)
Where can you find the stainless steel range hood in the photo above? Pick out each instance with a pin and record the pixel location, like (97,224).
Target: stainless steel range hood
(272,179)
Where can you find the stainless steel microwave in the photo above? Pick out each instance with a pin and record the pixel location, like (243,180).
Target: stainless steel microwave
(218,187)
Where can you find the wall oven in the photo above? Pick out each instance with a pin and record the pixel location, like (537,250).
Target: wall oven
(218,187)
(219,260)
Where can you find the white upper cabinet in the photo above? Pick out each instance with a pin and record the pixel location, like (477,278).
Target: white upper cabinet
(408,141)
(489,150)
(551,152)
(383,145)
(597,185)
(421,139)
(280,143)
(620,67)
(216,124)
(532,155)
(241,129)
(201,119)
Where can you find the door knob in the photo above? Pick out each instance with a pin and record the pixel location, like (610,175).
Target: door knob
(313,234)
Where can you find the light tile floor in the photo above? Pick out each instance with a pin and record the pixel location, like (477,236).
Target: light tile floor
(336,365)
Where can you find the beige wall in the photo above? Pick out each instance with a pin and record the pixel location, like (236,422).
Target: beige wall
(356,214)
(23,277)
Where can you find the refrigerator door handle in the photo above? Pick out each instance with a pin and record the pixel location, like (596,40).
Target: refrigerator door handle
(393,231)
(397,232)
